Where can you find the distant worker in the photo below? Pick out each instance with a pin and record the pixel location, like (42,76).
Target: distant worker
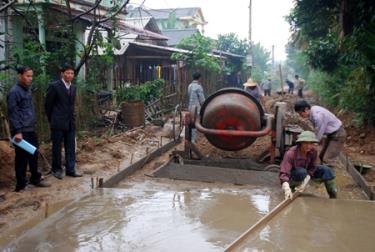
(325,123)
(238,80)
(290,86)
(234,79)
(299,166)
(196,99)
(22,122)
(267,86)
(252,88)
(299,83)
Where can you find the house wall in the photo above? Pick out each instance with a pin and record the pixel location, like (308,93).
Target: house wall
(3,29)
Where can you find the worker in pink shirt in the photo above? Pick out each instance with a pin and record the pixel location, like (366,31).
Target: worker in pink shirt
(325,124)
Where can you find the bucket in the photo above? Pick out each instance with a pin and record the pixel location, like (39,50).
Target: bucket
(133,113)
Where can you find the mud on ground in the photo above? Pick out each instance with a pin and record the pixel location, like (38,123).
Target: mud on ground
(97,157)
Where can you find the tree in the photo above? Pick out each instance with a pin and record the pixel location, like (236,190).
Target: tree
(261,62)
(336,39)
(63,47)
(199,56)
(232,44)
(65,27)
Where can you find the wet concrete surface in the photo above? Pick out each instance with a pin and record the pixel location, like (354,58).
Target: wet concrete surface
(152,215)
(315,224)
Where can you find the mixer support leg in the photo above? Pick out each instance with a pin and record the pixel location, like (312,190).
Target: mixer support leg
(193,149)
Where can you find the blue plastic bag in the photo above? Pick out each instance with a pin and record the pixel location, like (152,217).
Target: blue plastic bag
(23,144)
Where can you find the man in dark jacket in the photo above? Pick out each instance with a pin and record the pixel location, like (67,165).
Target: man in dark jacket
(21,115)
(59,106)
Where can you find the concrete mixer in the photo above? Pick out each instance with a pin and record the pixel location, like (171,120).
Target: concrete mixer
(231,120)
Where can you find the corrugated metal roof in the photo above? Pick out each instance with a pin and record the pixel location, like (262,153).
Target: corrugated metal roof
(163,13)
(176,35)
(156,47)
(218,52)
(123,26)
(164,48)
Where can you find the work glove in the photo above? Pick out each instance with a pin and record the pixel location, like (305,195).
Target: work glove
(287,191)
(303,186)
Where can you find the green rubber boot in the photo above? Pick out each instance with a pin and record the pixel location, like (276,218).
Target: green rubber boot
(331,188)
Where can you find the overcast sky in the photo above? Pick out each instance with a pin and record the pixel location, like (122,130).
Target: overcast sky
(269,25)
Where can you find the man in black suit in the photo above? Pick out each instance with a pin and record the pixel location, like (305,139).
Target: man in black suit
(59,106)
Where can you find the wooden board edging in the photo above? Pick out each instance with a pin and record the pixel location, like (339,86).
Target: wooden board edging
(358,178)
(115,179)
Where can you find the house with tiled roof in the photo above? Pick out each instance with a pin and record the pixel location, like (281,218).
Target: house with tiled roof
(175,24)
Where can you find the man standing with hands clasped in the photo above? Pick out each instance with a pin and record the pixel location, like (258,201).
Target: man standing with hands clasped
(59,106)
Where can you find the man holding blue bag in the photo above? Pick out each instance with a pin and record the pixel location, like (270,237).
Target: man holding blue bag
(21,116)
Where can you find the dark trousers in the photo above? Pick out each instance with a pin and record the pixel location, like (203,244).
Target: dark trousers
(57,136)
(290,90)
(322,174)
(300,92)
(267,92)
(23,158)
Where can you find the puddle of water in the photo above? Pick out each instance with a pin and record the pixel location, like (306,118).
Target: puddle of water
(315,224)
(15,232)
(152,216)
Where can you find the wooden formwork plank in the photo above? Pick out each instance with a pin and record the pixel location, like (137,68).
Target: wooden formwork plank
(357,176)
(115,179)
(213,174)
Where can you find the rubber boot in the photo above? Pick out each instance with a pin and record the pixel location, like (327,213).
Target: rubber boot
(331,188)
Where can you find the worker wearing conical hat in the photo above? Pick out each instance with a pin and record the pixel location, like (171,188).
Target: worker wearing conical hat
(252,88)
(299,165)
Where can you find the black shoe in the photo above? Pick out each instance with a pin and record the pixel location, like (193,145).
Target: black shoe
(57,175)
(42,184)
(73,174)
(21,188)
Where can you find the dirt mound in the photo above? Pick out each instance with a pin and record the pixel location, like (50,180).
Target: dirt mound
(253,151)
(6,165)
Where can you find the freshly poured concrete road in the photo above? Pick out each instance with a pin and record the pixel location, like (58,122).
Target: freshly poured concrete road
(316,224)
(166,215)
(160,215)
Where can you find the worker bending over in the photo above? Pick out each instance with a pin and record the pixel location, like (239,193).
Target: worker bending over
(325,124)
(299,166)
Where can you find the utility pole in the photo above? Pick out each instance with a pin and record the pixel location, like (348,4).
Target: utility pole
(250,5)
(249,58)
(273,57)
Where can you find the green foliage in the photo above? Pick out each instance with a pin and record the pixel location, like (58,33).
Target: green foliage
(261,62)
(336,39)
(146,92)
(323,53)
(232,44)
(199,58)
